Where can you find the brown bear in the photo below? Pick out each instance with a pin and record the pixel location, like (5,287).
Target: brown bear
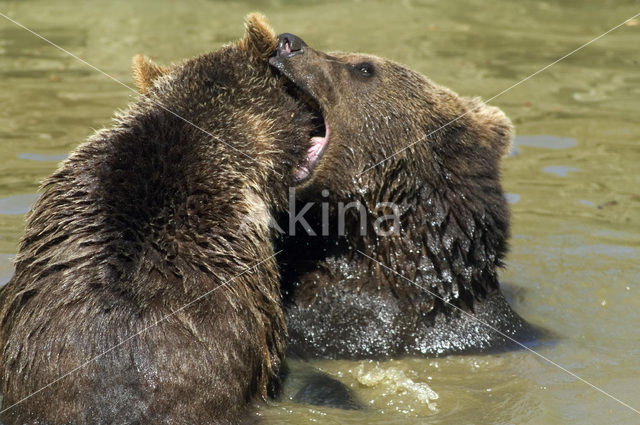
(410,266)
(140,294)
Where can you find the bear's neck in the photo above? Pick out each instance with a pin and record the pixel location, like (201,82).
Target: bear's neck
(450,241)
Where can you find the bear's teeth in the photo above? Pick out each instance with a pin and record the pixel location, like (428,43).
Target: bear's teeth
(302,172)
(318,143)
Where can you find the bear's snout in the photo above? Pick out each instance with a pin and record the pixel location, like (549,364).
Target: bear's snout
(289,45)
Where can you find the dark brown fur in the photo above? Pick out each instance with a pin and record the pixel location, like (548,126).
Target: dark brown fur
(138,223)
(453,229)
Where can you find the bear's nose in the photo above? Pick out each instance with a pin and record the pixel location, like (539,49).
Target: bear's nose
(289,44)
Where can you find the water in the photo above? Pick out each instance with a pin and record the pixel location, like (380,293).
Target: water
(572,177)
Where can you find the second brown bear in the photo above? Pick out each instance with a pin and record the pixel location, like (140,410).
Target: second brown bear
(410,266)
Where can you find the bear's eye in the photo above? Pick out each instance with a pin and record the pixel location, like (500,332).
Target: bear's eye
(364,69)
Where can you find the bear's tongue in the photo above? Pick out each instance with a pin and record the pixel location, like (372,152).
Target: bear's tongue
(318,143)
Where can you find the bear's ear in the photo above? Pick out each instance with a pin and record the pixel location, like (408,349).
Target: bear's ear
(145,72)
(259,39)
(494,126)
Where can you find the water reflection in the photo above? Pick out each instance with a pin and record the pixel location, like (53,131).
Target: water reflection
(6,268)
(546,142)
(42,157)
(512,198)
(560,170)
(17,204)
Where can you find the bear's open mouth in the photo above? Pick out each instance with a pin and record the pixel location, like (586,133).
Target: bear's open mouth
(318,144)
(319,136)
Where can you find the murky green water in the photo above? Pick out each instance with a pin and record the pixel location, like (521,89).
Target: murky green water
(574,180)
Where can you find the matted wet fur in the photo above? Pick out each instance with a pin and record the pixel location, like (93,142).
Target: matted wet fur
(454,220)
(143,219)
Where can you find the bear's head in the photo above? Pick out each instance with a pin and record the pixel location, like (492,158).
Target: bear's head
(384,121)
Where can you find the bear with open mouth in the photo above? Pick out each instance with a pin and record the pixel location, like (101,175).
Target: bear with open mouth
(394,144)
(146,289)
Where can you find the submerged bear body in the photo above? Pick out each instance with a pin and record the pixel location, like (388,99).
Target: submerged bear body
(146,289)
(406,183)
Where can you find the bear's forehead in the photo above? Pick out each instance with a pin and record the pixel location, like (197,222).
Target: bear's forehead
(396,68)
(356,57)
